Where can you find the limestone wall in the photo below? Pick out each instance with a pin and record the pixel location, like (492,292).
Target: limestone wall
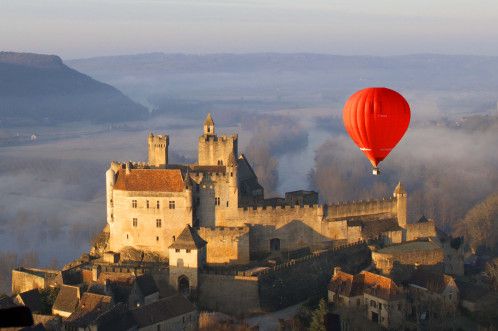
(147,235)
(226,245)
(362,208)
(236,295)
(213,149)
(303,278)
(420,230)
(389,263)
(25,279)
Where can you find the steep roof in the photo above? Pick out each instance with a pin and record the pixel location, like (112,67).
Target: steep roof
(157,180)
(380,286)
(31,299)
(188,239)
(430,280)
(91,306)
(209,120)
(67,299)
(365,282)
(162,310)
(400,189)
(146,284)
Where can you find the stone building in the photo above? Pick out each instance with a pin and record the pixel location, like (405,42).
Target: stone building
(149,204)
(214,212)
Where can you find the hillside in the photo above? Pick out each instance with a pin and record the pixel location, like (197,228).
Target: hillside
(35,87)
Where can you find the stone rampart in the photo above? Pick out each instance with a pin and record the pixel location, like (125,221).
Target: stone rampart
(231,294)
(295,281)
(352,209)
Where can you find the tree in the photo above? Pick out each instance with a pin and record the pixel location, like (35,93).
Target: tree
(318,317)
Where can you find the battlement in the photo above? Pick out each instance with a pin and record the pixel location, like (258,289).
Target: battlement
(362,208)
(313,256)
(280,207)
(219,139)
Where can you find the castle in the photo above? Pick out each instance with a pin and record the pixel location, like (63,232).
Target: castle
(207,230)
(219,200)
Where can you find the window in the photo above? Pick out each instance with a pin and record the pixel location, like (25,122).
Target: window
(158,223)
(197,187)
(158,204)
(135,222)
(227,203)
(133,203)
(380,306)
(157,238)
(177,250)
(147,203)
(217,201)
(171,204)
(373,304)
(188,250)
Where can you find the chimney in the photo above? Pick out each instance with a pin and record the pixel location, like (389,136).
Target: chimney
(128,168)
(336,270)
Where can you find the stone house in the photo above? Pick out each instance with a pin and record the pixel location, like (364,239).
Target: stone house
(171,313)
(378,297)
(90,307)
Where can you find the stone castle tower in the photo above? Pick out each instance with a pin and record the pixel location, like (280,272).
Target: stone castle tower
(401,205)
(158,150)
(214,150)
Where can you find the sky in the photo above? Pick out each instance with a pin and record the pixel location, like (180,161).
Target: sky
(78,29)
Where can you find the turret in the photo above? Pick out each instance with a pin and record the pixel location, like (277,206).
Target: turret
(209,129)
(401,204)
(233,183)
(158,150)
(110,178)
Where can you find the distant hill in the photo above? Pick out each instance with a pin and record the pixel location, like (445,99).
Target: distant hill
(182,83)
(35,87)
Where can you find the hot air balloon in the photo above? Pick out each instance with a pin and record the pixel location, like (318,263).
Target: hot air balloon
(376,118)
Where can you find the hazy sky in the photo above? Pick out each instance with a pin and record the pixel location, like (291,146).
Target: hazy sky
(86,28)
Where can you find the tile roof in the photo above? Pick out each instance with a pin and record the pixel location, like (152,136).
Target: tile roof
(208,120)
(117,318)
(6,302)
(188,239)
(380,286)
(91,306)
(31,299)
(146,284)
(433,281)
(157,180)
(67,299)
(162,310)
(365,282)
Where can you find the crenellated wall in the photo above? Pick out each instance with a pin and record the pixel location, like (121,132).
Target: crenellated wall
(386,207)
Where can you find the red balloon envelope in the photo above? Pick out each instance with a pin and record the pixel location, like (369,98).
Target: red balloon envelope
(376,118)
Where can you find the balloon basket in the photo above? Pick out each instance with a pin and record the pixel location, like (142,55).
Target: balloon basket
(375,171)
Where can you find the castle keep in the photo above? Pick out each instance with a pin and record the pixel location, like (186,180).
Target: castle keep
(149,204)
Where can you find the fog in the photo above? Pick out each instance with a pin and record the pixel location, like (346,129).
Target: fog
(290,127)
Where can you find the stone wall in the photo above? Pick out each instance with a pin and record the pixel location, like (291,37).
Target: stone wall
(420,230)
(213,149)
(226,245)
(298,280)
(146,235)
(385,207)
(231,294)
(25,279)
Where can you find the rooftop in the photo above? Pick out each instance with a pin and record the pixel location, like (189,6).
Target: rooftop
(188,239)
(157,180)
(409,247)
(162,310)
